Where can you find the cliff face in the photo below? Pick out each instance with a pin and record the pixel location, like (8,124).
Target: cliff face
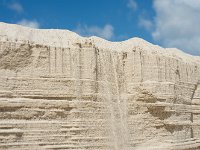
(62,91)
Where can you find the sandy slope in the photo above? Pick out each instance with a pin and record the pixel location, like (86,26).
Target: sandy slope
(59,90)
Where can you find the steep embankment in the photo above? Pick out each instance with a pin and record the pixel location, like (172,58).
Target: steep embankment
(62,91)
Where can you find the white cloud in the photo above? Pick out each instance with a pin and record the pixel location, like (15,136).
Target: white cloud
(145,23)
(177,24)
(29,23)
(16,7)
(132,5)
(106,32)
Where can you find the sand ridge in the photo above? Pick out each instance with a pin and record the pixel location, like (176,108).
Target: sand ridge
(66,38)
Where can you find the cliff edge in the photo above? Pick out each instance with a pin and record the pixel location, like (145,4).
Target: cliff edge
(59,90)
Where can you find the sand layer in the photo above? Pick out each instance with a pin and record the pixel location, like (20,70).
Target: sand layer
(59,90)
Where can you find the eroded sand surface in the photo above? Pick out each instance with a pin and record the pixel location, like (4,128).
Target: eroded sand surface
(62,91)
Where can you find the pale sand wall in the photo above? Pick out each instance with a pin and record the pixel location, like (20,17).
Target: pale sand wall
(62,91)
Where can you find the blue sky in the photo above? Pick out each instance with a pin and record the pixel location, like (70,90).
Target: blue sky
(169,23)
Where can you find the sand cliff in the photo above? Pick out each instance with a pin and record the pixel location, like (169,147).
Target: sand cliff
(59,90)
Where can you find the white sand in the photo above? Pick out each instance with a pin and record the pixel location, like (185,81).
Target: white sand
(65,38)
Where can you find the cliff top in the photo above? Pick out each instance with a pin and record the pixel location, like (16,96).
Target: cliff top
(66,38)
